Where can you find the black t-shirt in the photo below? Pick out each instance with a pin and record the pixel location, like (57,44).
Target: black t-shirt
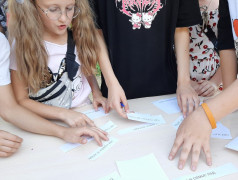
(140,37)
(225,37)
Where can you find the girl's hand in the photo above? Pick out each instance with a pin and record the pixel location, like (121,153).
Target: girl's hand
(116,96)
(77,135)
(9,143)
(188,99)
(99,100)
(207,88)
(76,119)
(192,136)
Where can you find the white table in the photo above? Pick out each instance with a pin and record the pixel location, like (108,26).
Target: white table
(41,158)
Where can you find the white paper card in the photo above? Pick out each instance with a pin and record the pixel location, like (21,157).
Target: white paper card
(147,118)
(137,128)
(224,170)
(92,114)
(142,168)
(221,132)
(233,144)
(109,126)
(113,176)
(170,106)
(101,150)
(177,122)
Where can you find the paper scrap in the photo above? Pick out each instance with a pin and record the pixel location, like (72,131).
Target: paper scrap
(221,132)
(233,144)
(108,127)
(177,122)
(101,150)
(147,118)
(142,168)
(137,128)
(224,170)
(170,106)
(92,114)
(112,176)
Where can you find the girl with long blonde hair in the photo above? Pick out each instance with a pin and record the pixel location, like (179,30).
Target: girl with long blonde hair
(39,35)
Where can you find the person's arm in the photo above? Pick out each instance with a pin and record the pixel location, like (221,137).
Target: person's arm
(115,92)
(98,99)
(26,120)
(72,118)
(194,133)
(187,97)
(228,66)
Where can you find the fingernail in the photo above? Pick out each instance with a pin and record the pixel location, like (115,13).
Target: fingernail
(170,157)
(209,163)
(84,141)
(193,168)
(180,166)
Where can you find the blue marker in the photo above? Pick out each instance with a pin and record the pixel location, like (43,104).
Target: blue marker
(122,105)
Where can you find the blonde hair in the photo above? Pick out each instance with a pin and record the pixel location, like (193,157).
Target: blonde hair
(26,31)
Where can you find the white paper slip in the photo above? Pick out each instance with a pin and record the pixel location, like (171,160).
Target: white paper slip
(101,150)
(142,168)
(147,118)
(214,173)
(92,114)
(233,144)
(113,176)
(177,122)
(221,132)
(109,126)
(170,106)
(137,128)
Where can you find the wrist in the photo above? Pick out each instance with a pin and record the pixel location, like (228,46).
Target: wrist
(184,82)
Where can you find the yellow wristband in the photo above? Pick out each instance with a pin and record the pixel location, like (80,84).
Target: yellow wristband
(209,115)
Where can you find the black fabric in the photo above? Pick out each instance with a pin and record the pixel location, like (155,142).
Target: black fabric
(225,37)
(212,37)
(71,65)
(142,54)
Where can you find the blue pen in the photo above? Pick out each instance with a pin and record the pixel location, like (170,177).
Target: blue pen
(122,105)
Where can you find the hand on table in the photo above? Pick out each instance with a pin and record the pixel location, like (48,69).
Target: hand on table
(188,99)
(192,136)
(77,135)
(98,100)
(206,88)
(9,143)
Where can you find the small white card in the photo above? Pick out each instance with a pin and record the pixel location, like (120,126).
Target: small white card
(137,128)
(101,150)
(142,168)
(233,144)
(147,118)
(177,122)
(170,106)
(92,114)
(221,132)
(108,127)
(215,173)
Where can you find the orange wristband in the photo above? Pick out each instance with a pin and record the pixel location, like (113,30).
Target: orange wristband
(209,115)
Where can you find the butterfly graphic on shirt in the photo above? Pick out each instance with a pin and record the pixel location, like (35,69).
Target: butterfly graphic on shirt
(141,12)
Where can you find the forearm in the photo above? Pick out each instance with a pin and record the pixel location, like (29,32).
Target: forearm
(217,78)
(94,85)
(228,66)
(182,54)
(224,103)
(104,62)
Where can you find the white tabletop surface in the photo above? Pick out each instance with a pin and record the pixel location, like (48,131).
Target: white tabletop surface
(40,156)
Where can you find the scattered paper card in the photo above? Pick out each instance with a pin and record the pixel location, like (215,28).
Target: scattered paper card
(142,168)
(108,127)
(177,122)
(113,176)
(215,173)
(137,128)
(221,132)
(147,118)
(92,114)
(101,150)
(233,144)
(170,106)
